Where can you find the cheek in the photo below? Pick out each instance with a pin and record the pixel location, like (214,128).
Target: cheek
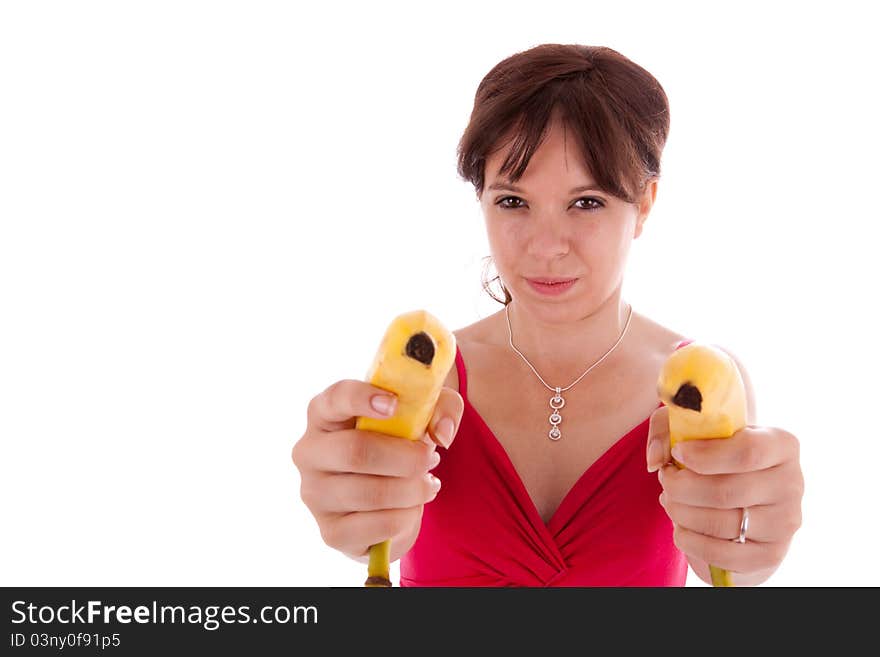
(591,239)
(505,238)
(601,247)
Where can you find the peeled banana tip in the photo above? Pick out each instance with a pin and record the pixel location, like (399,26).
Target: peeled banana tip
(421,348)
(688,396)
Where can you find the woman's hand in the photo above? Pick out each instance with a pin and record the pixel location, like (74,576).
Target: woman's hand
(756,468)
(364,487)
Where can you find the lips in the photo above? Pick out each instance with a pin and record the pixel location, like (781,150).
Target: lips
(551,281)
(551,286)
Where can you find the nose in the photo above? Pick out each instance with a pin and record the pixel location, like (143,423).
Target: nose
(549,237)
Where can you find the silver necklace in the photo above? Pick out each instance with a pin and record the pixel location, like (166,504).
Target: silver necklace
(557,401)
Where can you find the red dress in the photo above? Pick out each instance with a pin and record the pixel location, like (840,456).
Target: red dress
(483,529)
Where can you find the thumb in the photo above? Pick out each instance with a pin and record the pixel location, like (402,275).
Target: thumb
(657,452)
(446,418)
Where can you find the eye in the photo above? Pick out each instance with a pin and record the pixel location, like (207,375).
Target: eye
(598,203)
(501,202)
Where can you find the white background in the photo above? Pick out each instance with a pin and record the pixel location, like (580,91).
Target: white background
(209,211)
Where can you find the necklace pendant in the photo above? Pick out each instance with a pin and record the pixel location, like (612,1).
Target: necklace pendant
(556,403)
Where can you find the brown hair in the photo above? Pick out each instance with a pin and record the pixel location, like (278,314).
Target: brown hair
(617,111)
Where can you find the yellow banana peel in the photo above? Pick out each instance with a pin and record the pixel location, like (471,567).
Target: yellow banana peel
(413,360)
(704,391)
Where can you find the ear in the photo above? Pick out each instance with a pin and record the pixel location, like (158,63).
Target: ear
(645,205)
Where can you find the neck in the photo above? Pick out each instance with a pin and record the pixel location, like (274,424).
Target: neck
(561,351)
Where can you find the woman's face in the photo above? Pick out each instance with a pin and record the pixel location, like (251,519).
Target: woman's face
(543,228)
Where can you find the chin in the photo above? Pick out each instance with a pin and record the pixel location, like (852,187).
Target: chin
(560,308)
(553,311)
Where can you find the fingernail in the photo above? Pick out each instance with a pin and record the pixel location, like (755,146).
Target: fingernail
(383,404)
(662,499)
(655,455)
(434,461)
(676,453)
(660,474)
(433,482)
(444,430)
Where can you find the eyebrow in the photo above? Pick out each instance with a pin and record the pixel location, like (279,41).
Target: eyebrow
(513,188)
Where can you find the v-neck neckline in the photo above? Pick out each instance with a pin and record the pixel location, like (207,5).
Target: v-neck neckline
(571,498)
(570,501)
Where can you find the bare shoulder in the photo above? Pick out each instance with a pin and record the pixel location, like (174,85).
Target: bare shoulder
(655,337)
(467,338)
(646,348)
(662,340)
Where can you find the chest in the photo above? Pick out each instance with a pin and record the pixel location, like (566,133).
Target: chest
(596,413)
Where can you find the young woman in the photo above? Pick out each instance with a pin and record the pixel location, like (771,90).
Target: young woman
(563,149)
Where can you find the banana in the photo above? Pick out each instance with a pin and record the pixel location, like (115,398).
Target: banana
(704,391)
(413,360)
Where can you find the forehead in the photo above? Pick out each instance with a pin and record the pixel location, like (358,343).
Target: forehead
(557,154)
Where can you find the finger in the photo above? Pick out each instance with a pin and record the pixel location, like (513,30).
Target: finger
(767,522)
(736,557)
(339,406)
(344,493)
(749,449)
(727,491)
(370,452)
(354,533)
(446,417)
(657,452)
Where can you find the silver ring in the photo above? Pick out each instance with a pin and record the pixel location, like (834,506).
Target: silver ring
(743,527)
